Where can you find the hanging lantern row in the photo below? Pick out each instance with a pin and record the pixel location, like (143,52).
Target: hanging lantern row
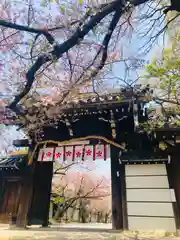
(74,153)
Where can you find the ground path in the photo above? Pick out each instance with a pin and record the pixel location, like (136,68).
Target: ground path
(77,232)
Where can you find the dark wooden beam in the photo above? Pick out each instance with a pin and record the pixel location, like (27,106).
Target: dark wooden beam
(49,175)
(118,191)
(123,195)
(39,210)
(21,143)
(173,170)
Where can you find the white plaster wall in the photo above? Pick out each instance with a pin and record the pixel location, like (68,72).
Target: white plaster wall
(151,224)
(149,199)
(145,169)
(148,195)
(150,209)
(147,182)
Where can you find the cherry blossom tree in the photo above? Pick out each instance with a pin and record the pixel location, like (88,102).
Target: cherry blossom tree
(21,51)
(66,45)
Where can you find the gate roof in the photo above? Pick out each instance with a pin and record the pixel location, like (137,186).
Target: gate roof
(13,163)
(47,106)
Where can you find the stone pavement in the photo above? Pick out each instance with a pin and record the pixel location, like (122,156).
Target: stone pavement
(70,233)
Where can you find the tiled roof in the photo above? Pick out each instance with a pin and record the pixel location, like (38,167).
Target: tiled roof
(81,100)
(13,162)
(94,98)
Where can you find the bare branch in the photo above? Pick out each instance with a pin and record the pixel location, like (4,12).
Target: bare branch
(63,168)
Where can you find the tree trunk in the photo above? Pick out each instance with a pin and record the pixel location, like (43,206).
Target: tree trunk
(59,213)
(106,218)
(83,216)
(66,216)
(80,211)
(90,217)
(98,217)
(72,214)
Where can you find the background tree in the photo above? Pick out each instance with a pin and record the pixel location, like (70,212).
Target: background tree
(165,73)
(81,193)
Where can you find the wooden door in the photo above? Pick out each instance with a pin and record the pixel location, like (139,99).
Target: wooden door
(10,201)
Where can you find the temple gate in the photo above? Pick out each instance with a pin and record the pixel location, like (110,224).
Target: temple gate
(137,161)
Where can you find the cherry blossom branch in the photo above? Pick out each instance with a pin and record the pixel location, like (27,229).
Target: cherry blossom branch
(63,168)
(117,6)
(48,36)
(156,99)
(9,36)
(106,40)
(59,49)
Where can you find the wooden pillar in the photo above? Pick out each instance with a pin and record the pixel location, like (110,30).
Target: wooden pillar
(51,210)
(118,191)
(48,195)
(173,171)
(1,190)
(39,211)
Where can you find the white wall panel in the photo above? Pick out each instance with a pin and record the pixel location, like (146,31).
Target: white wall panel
(150,209)
(151,224)
(149,195)
(146,169)
(149,199)
(147,182)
